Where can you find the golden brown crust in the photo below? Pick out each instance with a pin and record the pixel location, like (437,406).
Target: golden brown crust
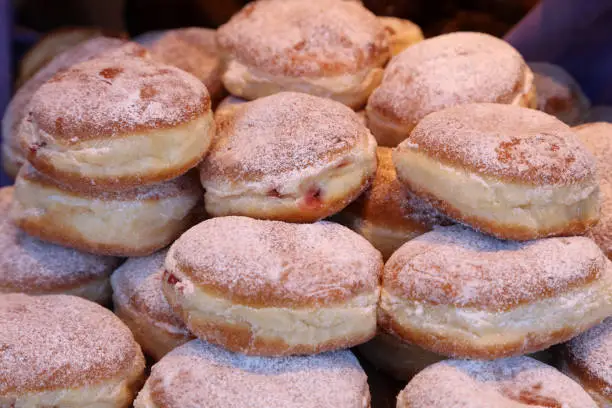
(163,97)
(193,50)
(505,142)
(152,342)
(86,184)
(187,184)
(293,38)
(280,134)
(31,266)
(449,70)
(275,264)
(388,204)
(303,214)
(513,232)
(455,347)
(241,338)
(506,274)
(68,237)
(71,342)
(587,380)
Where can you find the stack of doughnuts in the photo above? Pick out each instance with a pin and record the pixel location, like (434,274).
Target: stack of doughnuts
(110,142)
(444,233)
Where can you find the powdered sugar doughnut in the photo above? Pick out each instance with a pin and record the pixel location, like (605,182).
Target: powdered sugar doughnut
(559,94)
(403,361)
(332,49)
(511,172)
(290,157)
(54,43)
(444,71)
(200,374)
(597,137)
(117,123)
(64,351)
(128,223)
(139,302)
(586,359)
(387,214)
(233,279)
(401,33)
(459,293)
(193,50)
(31,266)
(508,383)
(12,155)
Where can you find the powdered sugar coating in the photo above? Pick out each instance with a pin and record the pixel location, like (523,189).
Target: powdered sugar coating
(504,142)
(597,137)
(107,97)
(505,383)
(54,342)
(591,353)
(449,70)
(17,108)
(281,137)
(275,263)
(200,374)
(32,266)
(296,38)
(193,50)
(464,268)
(137,284)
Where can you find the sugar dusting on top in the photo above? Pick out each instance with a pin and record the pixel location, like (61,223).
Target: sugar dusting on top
(278,262)
(17,109)
(449,70)
(459,266)
(193,50)
(60,341)
(592,353)
(32,266)
(506,383)
(305,38)
(200,374)
(109,96)
(506,142)
(275,138)
(598,139)
(137,284)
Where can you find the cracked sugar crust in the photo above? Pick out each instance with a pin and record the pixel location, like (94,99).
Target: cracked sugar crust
(108,97)
(273,263)
(505,383)
(464,268)
(504,142)
(200,374)
(33,266)
(449,70)
(54,342)
(318,38)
